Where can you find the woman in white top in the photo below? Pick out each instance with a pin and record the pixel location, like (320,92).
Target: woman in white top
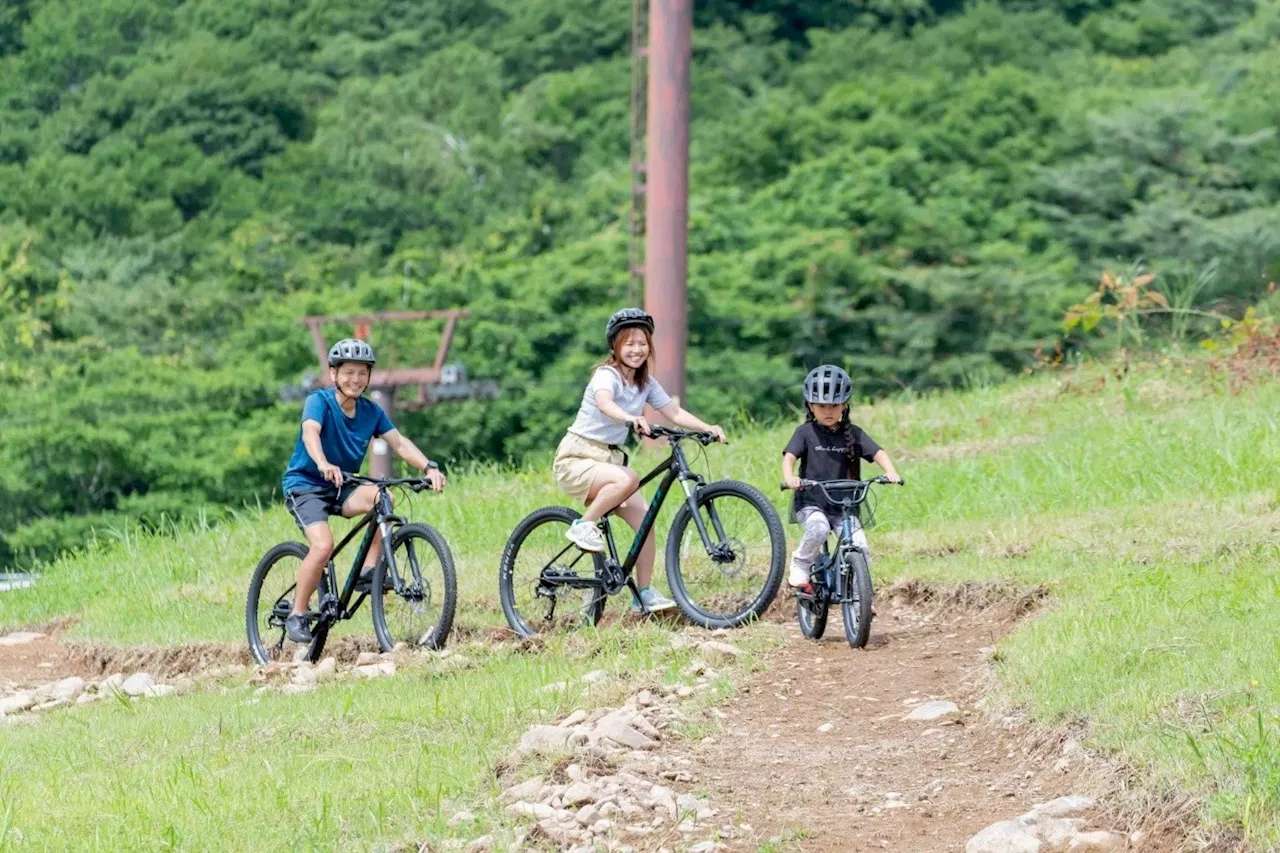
(589,462)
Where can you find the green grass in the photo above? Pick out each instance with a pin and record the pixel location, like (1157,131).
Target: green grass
(1147,504)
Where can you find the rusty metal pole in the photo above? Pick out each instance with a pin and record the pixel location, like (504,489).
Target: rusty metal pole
(667,191)
(379,451)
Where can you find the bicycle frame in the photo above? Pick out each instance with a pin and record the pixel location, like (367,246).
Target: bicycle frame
(380,521)
(674,467)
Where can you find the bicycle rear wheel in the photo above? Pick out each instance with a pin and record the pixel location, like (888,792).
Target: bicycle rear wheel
(856,608)
(415,604)
(270,600)
(538,546)
(738,579)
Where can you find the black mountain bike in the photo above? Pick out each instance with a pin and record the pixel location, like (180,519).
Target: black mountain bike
(413,586)
(723,569)
(844,577)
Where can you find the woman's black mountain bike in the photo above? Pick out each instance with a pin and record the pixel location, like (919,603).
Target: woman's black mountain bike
(724,557)
(413,586)
(843,577)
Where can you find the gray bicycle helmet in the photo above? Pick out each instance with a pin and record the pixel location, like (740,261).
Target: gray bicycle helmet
(627,318)
(351,349)
(827,384)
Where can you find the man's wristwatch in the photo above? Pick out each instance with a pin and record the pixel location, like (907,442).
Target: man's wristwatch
(431,466)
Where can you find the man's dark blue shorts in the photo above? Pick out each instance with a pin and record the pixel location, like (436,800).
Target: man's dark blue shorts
(312,506)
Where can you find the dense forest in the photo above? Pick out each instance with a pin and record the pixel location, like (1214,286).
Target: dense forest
(916,189)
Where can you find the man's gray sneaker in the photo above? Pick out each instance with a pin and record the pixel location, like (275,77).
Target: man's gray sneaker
(297,629)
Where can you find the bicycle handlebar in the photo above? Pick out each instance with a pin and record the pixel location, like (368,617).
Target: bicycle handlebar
(673,434)
(418,484)
(843,485)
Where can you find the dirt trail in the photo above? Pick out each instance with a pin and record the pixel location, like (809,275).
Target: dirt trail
(772,768)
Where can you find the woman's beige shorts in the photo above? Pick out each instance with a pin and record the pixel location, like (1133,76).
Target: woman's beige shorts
(578,460)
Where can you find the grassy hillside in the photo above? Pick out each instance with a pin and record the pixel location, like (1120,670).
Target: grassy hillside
(1147,504)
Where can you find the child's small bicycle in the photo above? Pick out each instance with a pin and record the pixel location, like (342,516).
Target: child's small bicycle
(845,576)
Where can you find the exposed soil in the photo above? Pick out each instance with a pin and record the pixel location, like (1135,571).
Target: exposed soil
(772,769)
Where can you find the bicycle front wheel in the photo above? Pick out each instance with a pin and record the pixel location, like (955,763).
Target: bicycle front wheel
(812,616)
(856,607)
(537,551)
(415,602)
(737,578)
(270,600)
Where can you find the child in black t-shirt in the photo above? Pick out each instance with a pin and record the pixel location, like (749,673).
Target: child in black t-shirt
(828,447)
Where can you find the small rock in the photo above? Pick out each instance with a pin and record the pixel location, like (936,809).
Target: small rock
(68,688)
(1094,842)
(595,676)
(720,653)
(684,692)
(367,659)
(588,814)
(644,698)
(304,675)
(1056,832)
(933,711)
(1062,765)
(706,847)
(326,669)
(602,826)
(400,647)
(19,638)
(137,684)
(1007,836)
(86,698)
(826,727)
(541,811)
(461,817)
(16,703)
(564,832)
(52,703)
(1064,806)
(618,729)
(525,790)
(665,799)
(578,716)
(369,670)
(112,683)
(483,844)
(160,690)
(577,794)
(553,687)
(387,667)
(543,737)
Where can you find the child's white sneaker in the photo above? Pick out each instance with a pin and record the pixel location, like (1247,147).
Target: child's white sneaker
(585,535)
(799,576)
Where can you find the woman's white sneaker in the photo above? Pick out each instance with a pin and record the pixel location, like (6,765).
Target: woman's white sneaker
(585,535)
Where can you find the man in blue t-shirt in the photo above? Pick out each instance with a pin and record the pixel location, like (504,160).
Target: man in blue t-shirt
(337,426)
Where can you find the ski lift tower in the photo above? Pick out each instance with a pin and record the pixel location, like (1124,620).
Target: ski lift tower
(434,383)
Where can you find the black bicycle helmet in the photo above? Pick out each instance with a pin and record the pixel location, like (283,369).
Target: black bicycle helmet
(627,318)
(351,349)
(827,384)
